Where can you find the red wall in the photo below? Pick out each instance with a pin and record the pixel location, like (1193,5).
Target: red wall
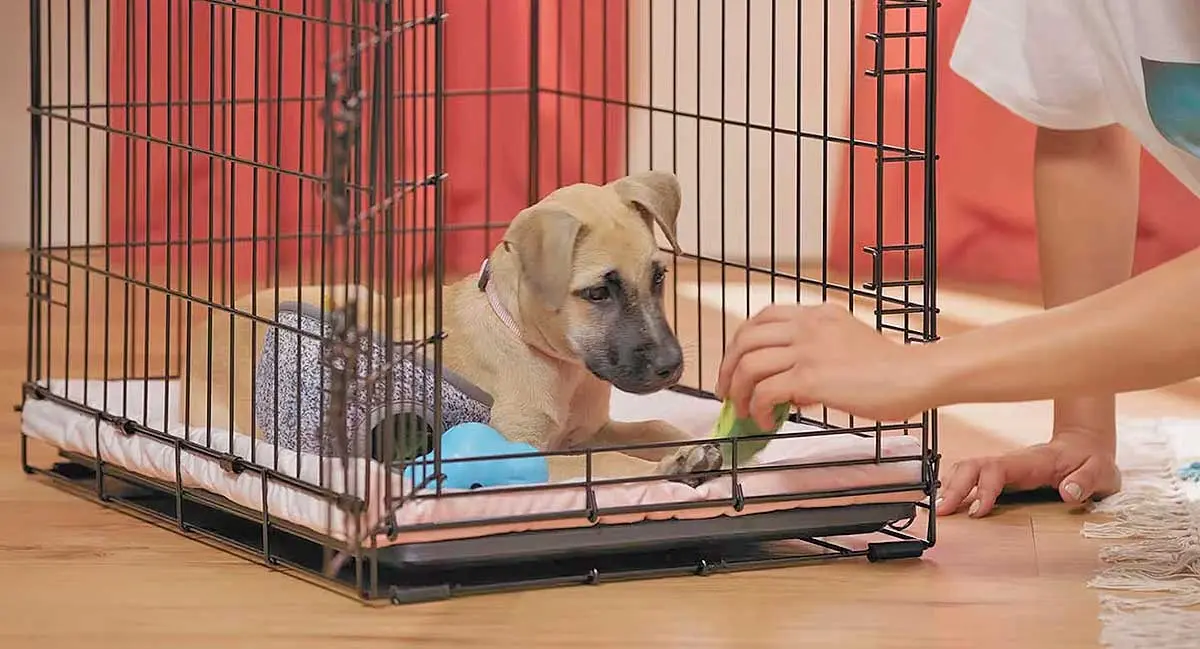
(246,54)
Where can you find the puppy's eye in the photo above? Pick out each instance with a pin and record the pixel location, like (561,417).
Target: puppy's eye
(595,294)
(660,276)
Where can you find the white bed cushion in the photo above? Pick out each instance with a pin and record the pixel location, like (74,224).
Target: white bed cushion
(70,430)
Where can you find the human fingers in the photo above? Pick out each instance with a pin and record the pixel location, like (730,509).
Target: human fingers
(963,476)
(987,489)
(751,370)
(776,389)
(748,338)
(779,313)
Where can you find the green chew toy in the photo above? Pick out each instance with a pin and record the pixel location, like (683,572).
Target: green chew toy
(729,426)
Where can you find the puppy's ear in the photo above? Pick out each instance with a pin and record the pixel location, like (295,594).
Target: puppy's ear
(543,237)
(656,196)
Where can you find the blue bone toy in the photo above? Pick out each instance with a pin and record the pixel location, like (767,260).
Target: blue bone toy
(473,440)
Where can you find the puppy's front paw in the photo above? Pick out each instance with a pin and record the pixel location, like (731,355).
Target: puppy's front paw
(687,461)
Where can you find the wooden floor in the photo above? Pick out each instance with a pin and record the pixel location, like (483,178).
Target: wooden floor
(73,573)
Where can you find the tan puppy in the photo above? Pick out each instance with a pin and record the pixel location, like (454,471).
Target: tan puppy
(580,277)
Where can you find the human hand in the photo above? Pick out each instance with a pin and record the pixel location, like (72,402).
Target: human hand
(821,355)
(1080,464)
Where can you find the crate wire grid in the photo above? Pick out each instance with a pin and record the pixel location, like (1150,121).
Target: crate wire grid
(364,190)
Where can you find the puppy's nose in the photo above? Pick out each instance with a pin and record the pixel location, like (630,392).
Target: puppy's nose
(667,361)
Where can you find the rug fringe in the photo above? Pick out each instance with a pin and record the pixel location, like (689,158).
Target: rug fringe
(1160,553)
(1149,628)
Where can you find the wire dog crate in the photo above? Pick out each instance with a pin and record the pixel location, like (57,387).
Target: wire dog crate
(195,162)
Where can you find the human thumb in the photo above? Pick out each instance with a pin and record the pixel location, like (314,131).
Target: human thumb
(1080,484)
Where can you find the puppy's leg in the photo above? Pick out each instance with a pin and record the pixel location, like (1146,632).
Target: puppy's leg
(606,465)
(671,460)
(680,466)
(526,420)
(650,431)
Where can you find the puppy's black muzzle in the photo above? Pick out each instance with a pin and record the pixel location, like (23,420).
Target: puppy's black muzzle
(644,367)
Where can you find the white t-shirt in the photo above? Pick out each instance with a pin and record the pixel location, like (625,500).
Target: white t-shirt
(1078,64)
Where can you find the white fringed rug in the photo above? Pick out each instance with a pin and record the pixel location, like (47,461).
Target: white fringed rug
(1151,580)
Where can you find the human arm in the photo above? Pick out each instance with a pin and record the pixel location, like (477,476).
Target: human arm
(1085,174)
(1140,334)
(1086,199)
(1086,202)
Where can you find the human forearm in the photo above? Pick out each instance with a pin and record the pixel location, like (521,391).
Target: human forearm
(1141,334)
(1086,197)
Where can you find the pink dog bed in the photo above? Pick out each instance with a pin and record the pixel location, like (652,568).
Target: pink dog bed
(69,430)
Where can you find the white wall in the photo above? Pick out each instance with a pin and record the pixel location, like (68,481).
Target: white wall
(58,138)
(663,141)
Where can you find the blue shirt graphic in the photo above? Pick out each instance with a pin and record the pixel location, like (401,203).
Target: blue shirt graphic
(1173,99)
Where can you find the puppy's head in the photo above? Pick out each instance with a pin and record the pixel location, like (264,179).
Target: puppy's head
(591,267)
